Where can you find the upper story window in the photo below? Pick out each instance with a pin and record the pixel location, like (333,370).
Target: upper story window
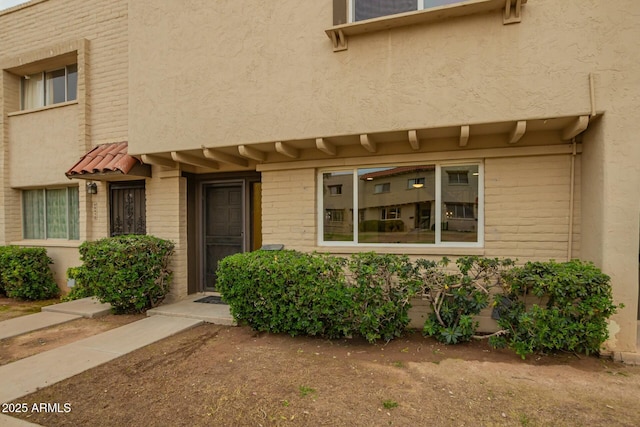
(458,177)
(49,87)
(361,10)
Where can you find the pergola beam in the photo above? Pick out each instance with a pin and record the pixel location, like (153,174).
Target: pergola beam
(252,153)
(464,135)
(517,132)
(326,147)
(413,140)
(287,150)
(224,157)
(150,159)
(188,159)
(368,143)
(575,128)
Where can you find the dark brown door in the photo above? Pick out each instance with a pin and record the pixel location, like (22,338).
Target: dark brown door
(223,226)
(128,210)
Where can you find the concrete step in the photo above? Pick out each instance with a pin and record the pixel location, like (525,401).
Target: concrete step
(188,308)
(86,307)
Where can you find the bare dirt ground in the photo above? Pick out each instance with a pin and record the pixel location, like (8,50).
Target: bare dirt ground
(12,349)
(213,375)
(10,308)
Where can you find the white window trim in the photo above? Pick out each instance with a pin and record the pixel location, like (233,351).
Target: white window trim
(339,34)
(44,89)
(352,9)
(438,220)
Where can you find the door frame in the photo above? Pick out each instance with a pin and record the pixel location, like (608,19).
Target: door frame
(201,223)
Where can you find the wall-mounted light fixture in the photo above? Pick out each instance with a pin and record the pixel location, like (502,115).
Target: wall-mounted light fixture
(92,188)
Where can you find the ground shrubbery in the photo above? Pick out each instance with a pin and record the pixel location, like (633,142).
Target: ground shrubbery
(129,272)
(312,294)
(25,273)
(369,294)
(571,304)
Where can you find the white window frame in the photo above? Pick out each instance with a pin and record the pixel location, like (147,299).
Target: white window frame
(43,95)
(352,9)
(438,201)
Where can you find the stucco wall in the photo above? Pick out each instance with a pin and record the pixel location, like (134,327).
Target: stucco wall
(242,76)
(37,145)
(103,24)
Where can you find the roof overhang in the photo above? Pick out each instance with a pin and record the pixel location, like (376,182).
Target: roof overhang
(503,134)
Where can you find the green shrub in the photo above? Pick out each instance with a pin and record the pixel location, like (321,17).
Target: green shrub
(25,273)
(129,272)
(573,302)
(286,291)
(82,287)
(382,287)
(455,298)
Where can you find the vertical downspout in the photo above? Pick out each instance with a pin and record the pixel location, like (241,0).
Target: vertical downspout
(592,98)
(571,200)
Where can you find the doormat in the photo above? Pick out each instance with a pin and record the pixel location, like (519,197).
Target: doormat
(211,299)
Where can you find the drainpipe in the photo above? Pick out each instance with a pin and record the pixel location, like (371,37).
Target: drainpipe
(571,200)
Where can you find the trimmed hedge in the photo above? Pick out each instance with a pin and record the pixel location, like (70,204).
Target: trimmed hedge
(369,294)
(129,272)
(310,294)
(25,273)
(286,291)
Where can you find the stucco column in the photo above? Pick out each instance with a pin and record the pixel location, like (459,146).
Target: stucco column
(166,206)
(611,208)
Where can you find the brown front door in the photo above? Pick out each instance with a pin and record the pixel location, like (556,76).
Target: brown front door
(127,208)
(223,226)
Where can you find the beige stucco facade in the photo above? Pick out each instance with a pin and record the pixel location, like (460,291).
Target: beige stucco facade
(209,93)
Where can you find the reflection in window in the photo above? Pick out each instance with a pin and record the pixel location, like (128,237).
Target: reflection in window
(391,213)
(402,205)
(337,199)
(460,204)
(382,188)
(458,177)
(335,190)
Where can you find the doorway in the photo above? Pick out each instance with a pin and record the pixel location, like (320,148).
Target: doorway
(223,226)
(127,211)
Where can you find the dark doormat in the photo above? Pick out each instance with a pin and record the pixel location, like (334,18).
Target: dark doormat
(211,299)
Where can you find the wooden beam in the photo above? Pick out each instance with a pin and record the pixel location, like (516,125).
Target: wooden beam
(252,153)
(464,135)
(150,159)
(193,160)
(325,146)
(287,150)
(368,143)
(517,132)
(413,140)
(575,128)
(224,157)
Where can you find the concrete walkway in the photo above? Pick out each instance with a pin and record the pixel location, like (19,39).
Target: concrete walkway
(25,376)
(53,315)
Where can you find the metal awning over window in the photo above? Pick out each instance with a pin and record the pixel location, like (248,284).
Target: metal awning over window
(109,162)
